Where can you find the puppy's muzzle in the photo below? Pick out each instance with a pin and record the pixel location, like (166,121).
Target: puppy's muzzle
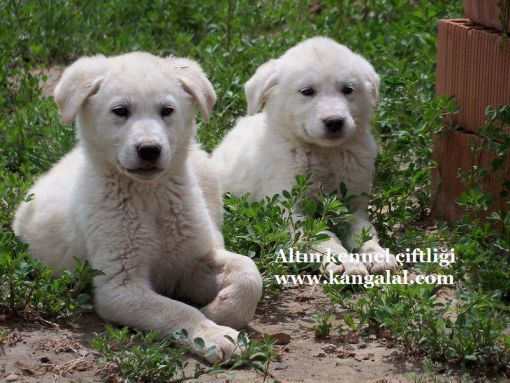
(334,125)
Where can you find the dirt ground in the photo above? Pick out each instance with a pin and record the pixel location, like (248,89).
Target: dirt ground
(41,352)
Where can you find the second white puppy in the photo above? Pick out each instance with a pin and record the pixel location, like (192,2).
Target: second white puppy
(138,200)
(318,98)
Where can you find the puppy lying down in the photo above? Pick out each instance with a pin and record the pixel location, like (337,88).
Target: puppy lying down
(318,100)
(140,201)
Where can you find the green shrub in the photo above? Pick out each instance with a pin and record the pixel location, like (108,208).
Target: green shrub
(142,357)
(27,288)
(261,229)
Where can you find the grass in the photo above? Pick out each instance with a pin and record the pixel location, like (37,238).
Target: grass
(230,39)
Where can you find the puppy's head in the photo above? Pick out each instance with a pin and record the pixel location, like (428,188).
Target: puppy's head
(319,91)
(135,111)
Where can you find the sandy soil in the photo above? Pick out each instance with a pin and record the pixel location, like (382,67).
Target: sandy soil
(40,352)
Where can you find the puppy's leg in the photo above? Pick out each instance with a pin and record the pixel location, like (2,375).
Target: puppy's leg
(240,290)
(346,265)
(381,258)
(133,303)
(208,180)
(229,285)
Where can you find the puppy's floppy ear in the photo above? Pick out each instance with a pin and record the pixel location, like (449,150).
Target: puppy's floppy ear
(373,83)
(195,82)
(260,84)
(79,81)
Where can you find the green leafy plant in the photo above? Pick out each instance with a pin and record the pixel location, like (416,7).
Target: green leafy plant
(469,333)
(144,357)
(257,354)
(260,229)
(484,245)
(350,322)
(322,326)
(469,330)
(141,357)
(28,288)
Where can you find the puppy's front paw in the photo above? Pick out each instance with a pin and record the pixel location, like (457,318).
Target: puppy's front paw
(345,264)
(215,335)
(382,260)
(348,268)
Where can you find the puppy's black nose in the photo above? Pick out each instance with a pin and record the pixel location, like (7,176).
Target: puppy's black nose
(148,152)
(334,125)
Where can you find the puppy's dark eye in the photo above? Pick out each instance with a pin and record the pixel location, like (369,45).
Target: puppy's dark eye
(309,92)
(347,89)
(120,111)
(166,111)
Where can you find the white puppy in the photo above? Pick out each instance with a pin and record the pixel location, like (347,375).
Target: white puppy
(318,98)
(128,199)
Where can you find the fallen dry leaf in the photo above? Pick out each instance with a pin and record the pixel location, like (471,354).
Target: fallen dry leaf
(12,338)
(280,337)
(352,337)
(329,348)
(342,354)
(303,299)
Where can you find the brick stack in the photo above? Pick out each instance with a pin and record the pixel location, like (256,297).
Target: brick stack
(474,68)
